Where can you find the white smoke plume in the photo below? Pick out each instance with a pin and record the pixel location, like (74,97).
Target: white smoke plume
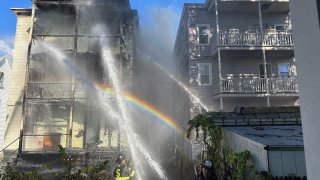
(157,37)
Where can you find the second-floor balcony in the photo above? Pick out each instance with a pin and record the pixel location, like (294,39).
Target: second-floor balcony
(255,85)
(248,39)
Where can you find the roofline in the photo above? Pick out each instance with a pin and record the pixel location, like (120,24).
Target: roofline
(21,10)
(259,144)
(284,147)
(184,11)
(266,146)
(6,59)
(194,4)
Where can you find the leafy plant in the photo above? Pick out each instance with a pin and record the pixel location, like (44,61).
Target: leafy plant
(72,172)
(227,163)
(12,174)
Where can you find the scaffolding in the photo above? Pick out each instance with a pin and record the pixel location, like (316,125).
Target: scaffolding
(58,107)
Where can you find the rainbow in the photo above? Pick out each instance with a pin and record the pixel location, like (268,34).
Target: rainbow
(160,116)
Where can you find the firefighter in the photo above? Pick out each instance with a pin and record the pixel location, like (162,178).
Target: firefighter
(123,171)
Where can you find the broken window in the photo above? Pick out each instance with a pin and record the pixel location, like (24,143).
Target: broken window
(205,73)
(203,35)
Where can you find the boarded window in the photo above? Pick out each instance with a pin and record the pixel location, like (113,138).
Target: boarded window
(205,73)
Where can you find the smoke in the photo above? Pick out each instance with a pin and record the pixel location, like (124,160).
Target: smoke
(155,46)
(157,34)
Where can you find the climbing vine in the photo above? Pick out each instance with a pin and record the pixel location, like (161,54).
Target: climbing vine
(227,163)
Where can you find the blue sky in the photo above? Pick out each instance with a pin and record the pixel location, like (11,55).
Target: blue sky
(145,7)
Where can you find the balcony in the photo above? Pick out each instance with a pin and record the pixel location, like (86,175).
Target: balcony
(46,90)
(252,40)
(255,85)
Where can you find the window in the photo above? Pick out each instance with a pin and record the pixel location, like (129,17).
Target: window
(261,70)
(1,79)
(280,27)
(34,75)
(204,74)
(283,70)
(203,34)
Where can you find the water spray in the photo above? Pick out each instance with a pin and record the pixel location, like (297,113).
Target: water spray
(183,86)
(133,142)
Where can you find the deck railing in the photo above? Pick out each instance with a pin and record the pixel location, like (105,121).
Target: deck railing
(256,85)
(251,39)
(46,90)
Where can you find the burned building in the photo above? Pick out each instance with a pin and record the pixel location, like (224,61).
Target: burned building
(59,83)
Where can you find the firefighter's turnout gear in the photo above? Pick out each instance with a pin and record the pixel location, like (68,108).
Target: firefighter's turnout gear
(123,170)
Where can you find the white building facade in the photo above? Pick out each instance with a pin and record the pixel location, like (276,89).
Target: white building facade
(5,72)
(305,16)
(235,53)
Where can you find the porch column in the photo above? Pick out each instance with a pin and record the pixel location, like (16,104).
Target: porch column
(75,50)
(33,13)
(219,53)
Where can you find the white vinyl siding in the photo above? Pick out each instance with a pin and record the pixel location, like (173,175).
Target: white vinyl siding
(4,91)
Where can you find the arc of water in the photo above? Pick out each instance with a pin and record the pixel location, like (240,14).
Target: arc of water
(134,143)
(183,86)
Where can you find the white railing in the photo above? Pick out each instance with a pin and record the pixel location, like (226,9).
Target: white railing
(243,85)
(251,39)
(277,39)
(239,39)
(282,85)
(257,85)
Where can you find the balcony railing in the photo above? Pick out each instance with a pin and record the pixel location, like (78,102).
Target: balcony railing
(252,85)
(55,90)
(251,39)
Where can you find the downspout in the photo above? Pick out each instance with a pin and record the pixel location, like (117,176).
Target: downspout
(264,55)
(219,54)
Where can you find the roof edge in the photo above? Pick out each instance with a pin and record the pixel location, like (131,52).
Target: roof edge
(21,10)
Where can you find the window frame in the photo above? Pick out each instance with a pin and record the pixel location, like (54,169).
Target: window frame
(278,65)
(210,74)
(1,79)
(277,25)
(198,34)
(268,76)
